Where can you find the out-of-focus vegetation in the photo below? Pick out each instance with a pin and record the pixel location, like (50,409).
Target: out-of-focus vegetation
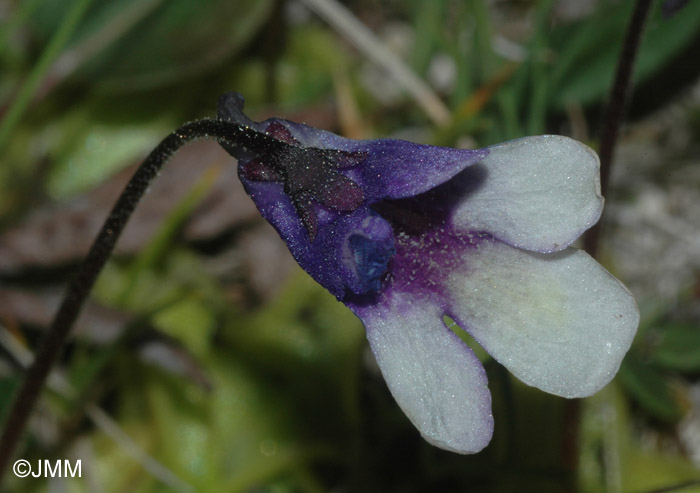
(207,358)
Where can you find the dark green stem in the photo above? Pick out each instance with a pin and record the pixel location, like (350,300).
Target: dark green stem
(616,107)
(81,285)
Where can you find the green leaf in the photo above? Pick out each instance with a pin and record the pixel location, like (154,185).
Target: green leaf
(615,457)
(650,388)
(679,348)
(478,350)
(587,52)
(653,471)
(8,386)
(312,342)
(86,151)
(304,326)
(586,55)
(428,19)
(162,242)
(137,45)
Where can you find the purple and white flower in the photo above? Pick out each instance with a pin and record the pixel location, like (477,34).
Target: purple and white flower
(406,234)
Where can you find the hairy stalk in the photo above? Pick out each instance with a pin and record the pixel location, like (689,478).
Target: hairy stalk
(616,107)
(81,285)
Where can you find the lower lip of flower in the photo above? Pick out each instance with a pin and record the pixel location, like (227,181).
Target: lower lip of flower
(423,262)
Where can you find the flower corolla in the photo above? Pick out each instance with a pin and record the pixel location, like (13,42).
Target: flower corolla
(407,234)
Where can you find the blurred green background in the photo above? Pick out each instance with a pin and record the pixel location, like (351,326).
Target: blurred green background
(206,360)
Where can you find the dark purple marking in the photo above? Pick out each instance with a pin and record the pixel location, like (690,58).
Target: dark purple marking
(256,170)
(280,132)
(310,175)
(424,261)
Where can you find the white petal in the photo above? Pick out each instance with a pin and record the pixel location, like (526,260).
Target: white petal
(559,322)
(432,374)
(539,193)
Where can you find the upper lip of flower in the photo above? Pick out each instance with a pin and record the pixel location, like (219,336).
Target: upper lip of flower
(338,183)
(308,174)
(405,234)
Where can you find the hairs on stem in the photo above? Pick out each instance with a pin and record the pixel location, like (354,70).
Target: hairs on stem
(80,286)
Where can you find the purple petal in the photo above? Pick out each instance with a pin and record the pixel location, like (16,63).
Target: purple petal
(349,253)
(383,168)
(393,168)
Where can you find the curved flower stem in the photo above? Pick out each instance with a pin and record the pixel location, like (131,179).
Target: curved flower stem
(81,285)
(616,107)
